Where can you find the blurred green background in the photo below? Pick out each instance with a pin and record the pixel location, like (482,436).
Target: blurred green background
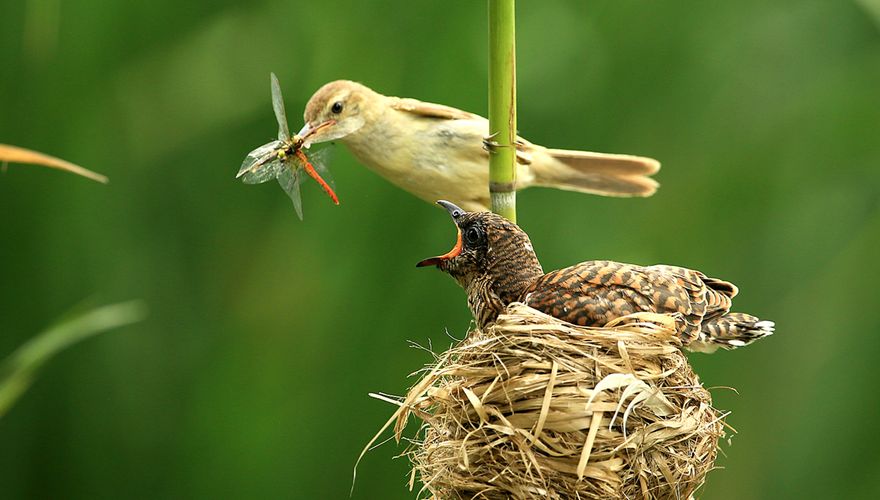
(250,377)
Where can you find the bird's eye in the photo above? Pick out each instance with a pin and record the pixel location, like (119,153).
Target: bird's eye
(473,235)
(337,107)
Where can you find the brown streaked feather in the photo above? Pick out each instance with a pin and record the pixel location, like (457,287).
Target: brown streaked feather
(715,292)
(724,287)
(595,292)
(730,331)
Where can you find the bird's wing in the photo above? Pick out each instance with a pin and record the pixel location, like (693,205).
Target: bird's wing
(430,110)
(595,292)
(715,293)
(596,173)
(442,112)
(584,161)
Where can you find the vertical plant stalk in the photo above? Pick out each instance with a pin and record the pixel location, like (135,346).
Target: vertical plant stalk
(502,108)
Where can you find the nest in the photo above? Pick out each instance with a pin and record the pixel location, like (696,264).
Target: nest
(536,408)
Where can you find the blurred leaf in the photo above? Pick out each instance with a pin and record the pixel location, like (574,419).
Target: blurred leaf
(872,8)
(18,370)
(20,155)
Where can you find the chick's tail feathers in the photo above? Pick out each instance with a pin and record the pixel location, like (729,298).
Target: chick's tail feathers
(597,173)
(730,331)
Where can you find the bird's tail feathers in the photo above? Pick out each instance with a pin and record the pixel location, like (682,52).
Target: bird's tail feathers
(597,173)
(730,331)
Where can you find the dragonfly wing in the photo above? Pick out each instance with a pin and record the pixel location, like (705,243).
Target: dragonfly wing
(290,181)
(258,158)
(297,201)
(278,106)
(264,173)
(319,159)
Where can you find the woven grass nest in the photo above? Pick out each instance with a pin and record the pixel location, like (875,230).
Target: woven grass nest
(536,408)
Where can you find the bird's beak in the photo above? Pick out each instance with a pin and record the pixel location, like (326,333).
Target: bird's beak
(455,213)
(311,132)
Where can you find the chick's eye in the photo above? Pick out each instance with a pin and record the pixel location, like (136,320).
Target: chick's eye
(337,107)
(473,235)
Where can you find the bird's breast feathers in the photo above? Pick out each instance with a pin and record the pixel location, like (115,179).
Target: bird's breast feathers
(428,157)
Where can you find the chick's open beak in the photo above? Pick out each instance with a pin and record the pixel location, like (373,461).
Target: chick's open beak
(455,213)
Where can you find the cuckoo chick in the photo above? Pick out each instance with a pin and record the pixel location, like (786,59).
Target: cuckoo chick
(493,260)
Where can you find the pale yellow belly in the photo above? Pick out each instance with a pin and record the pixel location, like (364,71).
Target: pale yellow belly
(432,160)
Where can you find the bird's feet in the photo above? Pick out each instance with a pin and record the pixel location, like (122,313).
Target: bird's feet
(490,144)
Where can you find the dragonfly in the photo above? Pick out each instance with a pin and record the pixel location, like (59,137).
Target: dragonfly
(285,160)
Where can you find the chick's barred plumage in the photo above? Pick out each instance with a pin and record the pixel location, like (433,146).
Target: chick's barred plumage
(593,293)
(436,151)
(496,264)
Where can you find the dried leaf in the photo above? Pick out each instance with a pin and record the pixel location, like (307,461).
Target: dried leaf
(16,154)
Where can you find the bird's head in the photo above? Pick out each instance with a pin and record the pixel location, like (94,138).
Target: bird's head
(488,246)
(336,110)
